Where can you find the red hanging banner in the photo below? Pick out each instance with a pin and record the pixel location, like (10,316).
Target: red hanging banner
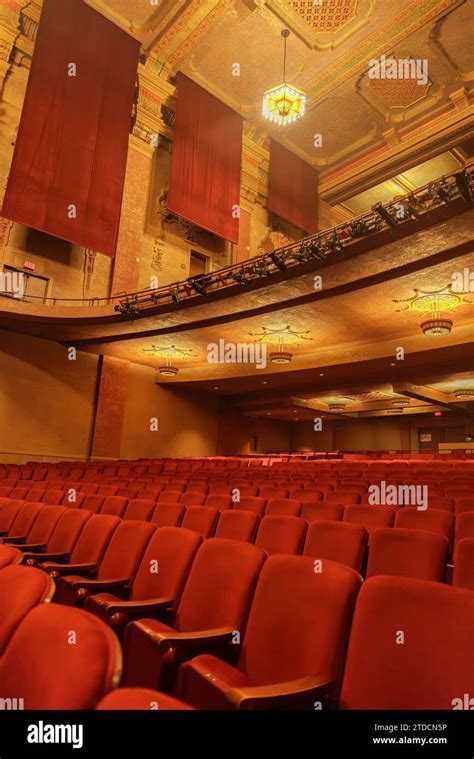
(293,188)
(70,156)
(204,185)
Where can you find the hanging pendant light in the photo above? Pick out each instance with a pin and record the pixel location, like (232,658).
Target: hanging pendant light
(284,103)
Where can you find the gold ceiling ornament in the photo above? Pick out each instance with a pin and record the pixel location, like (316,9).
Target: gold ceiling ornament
(465,394)
(280,337)
(433,303)
(337,407)
(169,352)
(284,103)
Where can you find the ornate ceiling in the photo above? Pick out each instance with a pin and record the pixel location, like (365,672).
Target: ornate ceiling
(234,49)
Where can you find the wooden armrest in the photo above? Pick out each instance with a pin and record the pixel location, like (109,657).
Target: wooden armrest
(139,607)
(102,585)
(63,556)
(203,639)
(14,539)
(33,547)
(280,695)
(71,569)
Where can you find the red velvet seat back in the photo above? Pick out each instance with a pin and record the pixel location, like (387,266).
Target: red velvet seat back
(464,504)
(440,502)
(280,534)
(464,526)
(19,492)
(9,555)
(192,498)
(307,494)
(125,550)
(25,519)
(407,553)
(114,505)
(312,612)
(170,496)
(342,498)
(217,501)
(43,526)
(8,511)
(220,586)
(338,541)
(283,507)
(464,564)
(165,564)
(107,490)
(202,519)
(237,525)
(42,666)
(139,508)
(94,539)
(370,517)
(21,588)
(53,497)
(251,503)
(269,492)
(424,669)
(168,515)
(93,503)
(313,512)
(433,520)
(67,530)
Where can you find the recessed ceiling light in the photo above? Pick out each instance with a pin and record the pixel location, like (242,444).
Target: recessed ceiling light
(392,364)
(322,374)
(265,382)
(216,388)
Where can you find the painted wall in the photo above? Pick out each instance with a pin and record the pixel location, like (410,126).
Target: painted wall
(236,433)
(187,425)
(46,400)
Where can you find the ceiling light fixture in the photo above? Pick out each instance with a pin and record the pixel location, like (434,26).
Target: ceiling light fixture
(284,103)
(464,394)
(436,326)
(336,407)
(168,370)
(434,304)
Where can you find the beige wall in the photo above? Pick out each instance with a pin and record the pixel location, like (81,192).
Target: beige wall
(46,400)
(236,432)
(349,435)
(187,424)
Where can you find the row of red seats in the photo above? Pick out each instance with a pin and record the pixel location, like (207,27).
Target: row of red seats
(244,631)
(413,548)
(223,497)
(20,518)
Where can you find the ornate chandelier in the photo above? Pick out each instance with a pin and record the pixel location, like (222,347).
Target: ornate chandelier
(284,103)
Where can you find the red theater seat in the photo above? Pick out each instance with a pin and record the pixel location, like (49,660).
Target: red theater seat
(211,615)
(168,514)
(8,511)
(139,508)
(9,555)
(313,512)
(20,493)
(306,494)
(107,490)
(410,643)
(237,525)
(89,488)
(338,541)
(21,588)
(192,499)
(370,517)
(220,502)
(141,699)
(128,492)
(283,507)
(117,568)
(35,496)
(114,506)
(280,534)
(440,502)
(251,503)
(42,666)
(41,528)
(464,526)
(433,520)
(93,503)
(201,519)
(342,498)
(158,583)
(464,564)
(170,496)
(464,504)
(89,549)
(63,537)
(23,521)
(407,553)
(312,613)
(273,493)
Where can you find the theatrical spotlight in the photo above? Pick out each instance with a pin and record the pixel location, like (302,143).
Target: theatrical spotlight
(175,295)
(239,277)
(463,185)
(200,288)
(279,263)
(384,214)
(439,191)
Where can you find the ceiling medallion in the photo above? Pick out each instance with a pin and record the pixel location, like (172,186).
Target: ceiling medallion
(284,103)
(280,337)
(433,303)
(465,394)
(169,352)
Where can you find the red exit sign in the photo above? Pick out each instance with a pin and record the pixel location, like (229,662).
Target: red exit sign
(29,265)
